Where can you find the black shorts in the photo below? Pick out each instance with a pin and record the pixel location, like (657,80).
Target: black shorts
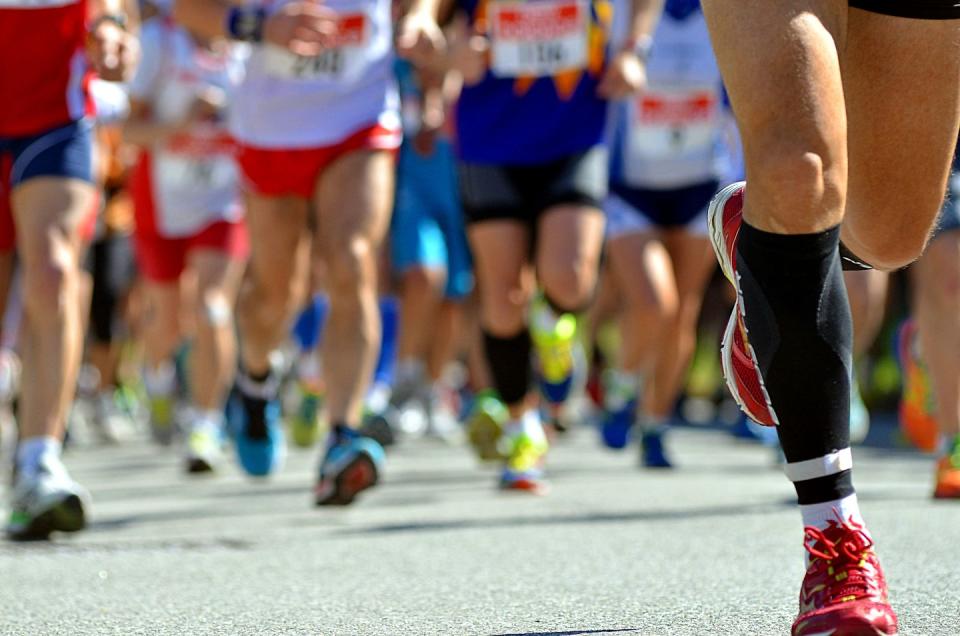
(522,193)
(919,9)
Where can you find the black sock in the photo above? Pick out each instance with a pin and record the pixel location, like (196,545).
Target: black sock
(799,324)
(509,360)
(256,392)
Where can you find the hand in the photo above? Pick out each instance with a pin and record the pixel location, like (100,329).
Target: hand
(304,28)
(112,51)
(420,40)
(469,52)
(626,74)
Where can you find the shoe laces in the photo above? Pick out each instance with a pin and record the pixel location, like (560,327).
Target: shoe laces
(843,566)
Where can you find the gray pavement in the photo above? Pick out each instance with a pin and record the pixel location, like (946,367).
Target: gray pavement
(712,548)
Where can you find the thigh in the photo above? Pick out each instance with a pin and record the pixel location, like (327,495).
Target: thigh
(781,68)
(46,208)
(693,263)
(901,79)
(353,201)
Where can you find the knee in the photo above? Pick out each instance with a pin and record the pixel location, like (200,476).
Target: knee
(422,281)
(214,311)
(568,284)
(352,270)
(886,249)
(796,190)
(50,279)
(503,309)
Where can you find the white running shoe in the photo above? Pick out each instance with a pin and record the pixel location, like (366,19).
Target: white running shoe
(47,501)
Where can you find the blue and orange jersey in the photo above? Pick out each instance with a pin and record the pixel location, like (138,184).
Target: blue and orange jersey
(538,100)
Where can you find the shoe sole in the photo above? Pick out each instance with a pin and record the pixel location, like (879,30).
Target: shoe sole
(715,223)
(531,486)
(199,466)
(359,475)
(68,515)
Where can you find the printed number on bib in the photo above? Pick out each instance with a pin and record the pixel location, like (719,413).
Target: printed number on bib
(340,62)
(538,39)
(673,123)
(180,174)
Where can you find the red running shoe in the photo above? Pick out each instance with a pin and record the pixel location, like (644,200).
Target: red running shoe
(844,592)
(740,367)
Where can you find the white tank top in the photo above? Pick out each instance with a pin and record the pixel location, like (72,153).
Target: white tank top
(289,101)
(193,177)
(673,134)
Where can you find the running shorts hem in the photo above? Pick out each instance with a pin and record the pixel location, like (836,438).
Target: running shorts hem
(294,172)
(917,9)
(524,192)
(163,260)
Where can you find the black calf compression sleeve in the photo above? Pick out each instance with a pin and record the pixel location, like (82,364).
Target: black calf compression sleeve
(798,321)
(509,360)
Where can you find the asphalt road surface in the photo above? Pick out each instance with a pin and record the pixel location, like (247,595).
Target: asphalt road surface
(711,548)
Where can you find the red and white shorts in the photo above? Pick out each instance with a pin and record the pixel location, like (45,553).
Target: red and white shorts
(162,260)
(272,172)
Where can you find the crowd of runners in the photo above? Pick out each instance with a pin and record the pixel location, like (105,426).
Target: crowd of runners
(355,222)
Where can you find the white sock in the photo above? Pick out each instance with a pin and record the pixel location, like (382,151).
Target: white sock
(818,515)
(160,380)
(620,387)
(211,420)
(33,451)
(529,423)
(647,422)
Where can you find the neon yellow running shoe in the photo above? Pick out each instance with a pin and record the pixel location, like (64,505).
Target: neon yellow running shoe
(524,445)
(485,425)
(305,422)
(554,338)
(162,425)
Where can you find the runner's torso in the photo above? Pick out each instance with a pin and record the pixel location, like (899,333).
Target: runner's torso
(43,81)
(193,177)
(290,101)
(671,135)
(538,101)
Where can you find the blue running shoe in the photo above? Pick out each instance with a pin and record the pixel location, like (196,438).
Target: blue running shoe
(353,463)
(652,453)
(258,434)
(615,429)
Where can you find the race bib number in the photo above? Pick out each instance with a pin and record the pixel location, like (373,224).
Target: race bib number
(344,60)
(184,174)
(538,39)
(673,123)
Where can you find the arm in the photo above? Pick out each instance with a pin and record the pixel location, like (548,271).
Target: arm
(302,27)
(626,73)
(142,130)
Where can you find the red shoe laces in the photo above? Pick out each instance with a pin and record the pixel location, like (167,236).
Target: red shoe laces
(842,562)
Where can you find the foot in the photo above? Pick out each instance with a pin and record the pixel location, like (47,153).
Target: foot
(204,448)
(47,501)
(353,463)
(948,474)
(485,425)
(740,367)
(259,438)
(524,444)
(305,423)
(108,420)
(917,403)
(844,591)
(554,338)
(652,453)
(162,419)
(620,409)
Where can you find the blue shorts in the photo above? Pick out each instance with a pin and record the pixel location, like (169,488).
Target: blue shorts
(428,225)
(635,210)
(66,151)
